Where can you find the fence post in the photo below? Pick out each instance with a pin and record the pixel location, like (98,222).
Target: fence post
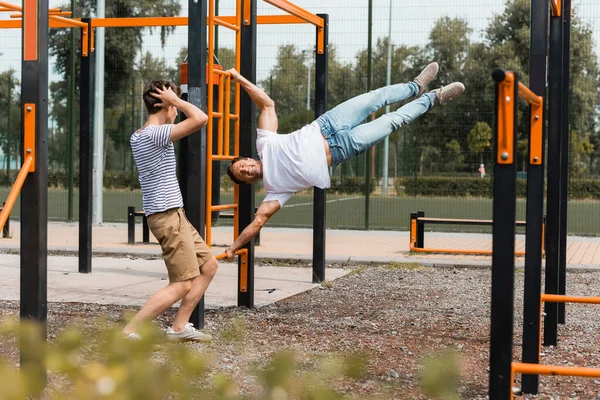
(130,225)
(420,230)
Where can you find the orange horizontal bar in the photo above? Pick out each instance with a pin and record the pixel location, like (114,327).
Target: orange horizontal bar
(141,21)
(558,298)
(14,192)
(279,20)
(10,6)
(297,12)
(537,369)
(57,13)
(224,207)
(222,158)
(68,21)
(526,94)
(224,24)
(240,252)
(217,114)
(455,251)
(221,72)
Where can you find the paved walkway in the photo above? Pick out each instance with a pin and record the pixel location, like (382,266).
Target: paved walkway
(139,271)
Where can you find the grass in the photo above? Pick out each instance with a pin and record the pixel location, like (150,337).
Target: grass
(343,212)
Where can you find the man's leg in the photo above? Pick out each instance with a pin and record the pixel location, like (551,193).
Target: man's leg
(353,112)
(191,299)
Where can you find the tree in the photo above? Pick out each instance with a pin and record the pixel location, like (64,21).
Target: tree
(10,118)
(480,139)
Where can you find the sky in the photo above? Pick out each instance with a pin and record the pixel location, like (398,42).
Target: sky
(411,22)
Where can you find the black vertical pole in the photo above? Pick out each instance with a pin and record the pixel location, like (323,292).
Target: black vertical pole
(247,145)
(420,230)
(86,151)
(319,211)
(368,152)
(6,229)
(34,194)
(564,156)
(195,146)
(535,202)
(503,256)
(555,84)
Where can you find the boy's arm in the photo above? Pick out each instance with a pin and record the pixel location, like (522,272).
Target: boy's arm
(195,120)
(264,212)
(268,118)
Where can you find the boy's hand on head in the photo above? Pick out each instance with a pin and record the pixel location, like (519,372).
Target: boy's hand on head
(167,97)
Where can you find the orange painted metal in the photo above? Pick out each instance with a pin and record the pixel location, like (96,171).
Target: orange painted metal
(558,298)
(506,119)
(29,133)
(85,42)
(30,30)
(536,151)
(221,119)
(223,158)
(222,207)
(227,120)
(209,127)
(183,74)
(68,21)
(555,6)
(536,369)
(139,21)
(15,190)
(220,22)
(9,6)
(301,13)
(247,11)
(244,272)
(526,94)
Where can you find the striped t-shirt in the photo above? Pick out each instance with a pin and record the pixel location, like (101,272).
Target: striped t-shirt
(154,155)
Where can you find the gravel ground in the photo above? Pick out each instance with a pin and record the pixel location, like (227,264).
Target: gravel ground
(397,315)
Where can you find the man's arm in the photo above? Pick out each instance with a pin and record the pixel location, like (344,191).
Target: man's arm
(264,212)
(195,120)
(268,118)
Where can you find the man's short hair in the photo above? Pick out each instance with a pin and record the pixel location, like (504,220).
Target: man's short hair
(150,100)
(230,170)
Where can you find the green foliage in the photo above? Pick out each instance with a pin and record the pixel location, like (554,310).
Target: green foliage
(351,184)
(440,376)
(104,364)
(480,139)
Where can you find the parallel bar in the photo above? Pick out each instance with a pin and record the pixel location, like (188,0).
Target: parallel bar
(86,146)
(320,203)
(9,6)
(458,251)
(555,104)
(555,370)
(503,247)
(534,232)
(558,298)
(556,7)
(223,158)
(306,16)
(452,221)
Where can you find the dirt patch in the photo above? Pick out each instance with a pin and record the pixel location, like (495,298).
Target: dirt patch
(397,315)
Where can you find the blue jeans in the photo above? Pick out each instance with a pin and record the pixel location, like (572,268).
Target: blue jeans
(341,125)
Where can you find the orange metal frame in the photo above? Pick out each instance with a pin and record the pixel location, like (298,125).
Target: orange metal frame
(413,243)
(506,118)
(28,163)
(555,5)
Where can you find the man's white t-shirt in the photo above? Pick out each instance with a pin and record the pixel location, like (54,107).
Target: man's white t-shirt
(292,162)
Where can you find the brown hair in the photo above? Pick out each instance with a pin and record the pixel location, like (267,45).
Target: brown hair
(230,170)
(150,100)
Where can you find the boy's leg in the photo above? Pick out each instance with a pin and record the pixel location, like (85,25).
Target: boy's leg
(208,268)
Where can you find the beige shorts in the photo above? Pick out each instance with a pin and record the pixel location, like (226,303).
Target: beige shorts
(183,249)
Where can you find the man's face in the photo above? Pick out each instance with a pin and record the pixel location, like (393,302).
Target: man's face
(246,170)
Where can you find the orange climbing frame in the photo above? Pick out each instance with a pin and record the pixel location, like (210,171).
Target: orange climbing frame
(28,163)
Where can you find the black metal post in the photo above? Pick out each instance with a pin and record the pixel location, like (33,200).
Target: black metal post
(564,156)
(555,104)
(247,146)
(145,230)
(86,151)
(130,225)
(319,211)
(503,256)
(34,194)
(420,230)
(535,202)
(368,152)
(6,229)
(195,145)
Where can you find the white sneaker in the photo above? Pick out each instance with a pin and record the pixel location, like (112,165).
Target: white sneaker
(189,333)
(426,76)
(447,93)
(133,336)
